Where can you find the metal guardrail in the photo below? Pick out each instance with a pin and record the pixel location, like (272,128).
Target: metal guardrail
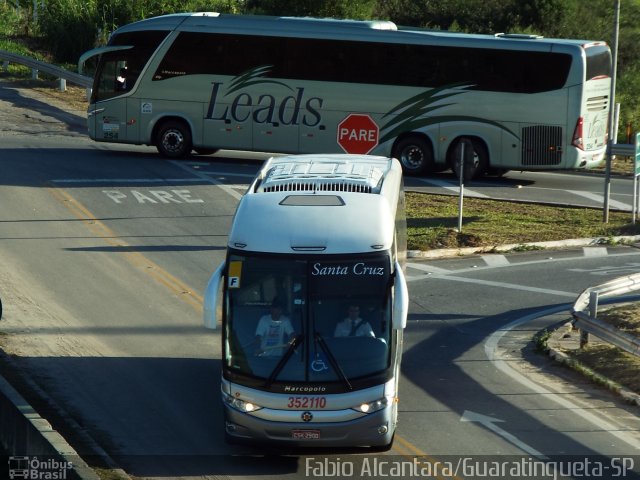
(585,312)
(623,149)
(38,66)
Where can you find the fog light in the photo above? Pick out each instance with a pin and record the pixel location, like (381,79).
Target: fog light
(383,429)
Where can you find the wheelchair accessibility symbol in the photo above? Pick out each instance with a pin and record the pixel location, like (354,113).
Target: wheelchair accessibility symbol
(319,364)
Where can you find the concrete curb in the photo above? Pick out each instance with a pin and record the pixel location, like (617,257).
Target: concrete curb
(25,432)
(575,242)
(564,359)
(17,413)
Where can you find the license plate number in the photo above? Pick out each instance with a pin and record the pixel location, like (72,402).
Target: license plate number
(305,434)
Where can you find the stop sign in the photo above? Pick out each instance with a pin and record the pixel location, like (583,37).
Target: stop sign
(358,133)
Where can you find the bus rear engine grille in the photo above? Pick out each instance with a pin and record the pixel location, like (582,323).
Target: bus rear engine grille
(541,145)
(597,104)
(318,186)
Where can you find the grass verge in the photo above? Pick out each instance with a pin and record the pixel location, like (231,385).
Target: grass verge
(432,223)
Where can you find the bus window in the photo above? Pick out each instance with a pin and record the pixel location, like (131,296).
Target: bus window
(117,75)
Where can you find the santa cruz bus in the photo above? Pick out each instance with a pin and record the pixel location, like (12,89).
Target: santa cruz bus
(314,303)
(207,81)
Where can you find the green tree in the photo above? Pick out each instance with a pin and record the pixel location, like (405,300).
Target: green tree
(355,9)
(68,28)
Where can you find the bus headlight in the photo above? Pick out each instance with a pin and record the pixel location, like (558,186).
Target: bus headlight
(245,407)
(372,406)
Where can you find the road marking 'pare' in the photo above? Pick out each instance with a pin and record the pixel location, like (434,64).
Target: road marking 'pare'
(152,196)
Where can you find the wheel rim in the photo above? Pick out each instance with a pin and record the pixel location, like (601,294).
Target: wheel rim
(173,141)
(412,157)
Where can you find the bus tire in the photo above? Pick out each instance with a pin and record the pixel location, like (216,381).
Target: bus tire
(173,139)
(414,154)
(480,163)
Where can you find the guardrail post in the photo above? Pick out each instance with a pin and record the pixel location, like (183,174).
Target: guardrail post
(34,74)
(62,84)
(5,66)
(593,313)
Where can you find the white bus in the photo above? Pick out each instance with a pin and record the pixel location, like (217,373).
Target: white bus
(314,303)
(202,82)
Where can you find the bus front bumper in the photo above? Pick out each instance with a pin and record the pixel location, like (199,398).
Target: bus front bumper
(373,430)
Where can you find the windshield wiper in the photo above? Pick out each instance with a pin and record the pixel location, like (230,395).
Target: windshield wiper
(293,344)
(332,360)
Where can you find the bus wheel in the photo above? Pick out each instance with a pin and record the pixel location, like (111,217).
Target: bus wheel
(414,154)
(173,139)
(478,166)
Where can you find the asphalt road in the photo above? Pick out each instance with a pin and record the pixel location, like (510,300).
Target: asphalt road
(104,255)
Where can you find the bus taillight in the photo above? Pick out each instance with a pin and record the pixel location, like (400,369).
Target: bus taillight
(577,135)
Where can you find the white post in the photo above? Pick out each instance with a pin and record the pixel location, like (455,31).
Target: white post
(461,200)
(612,97)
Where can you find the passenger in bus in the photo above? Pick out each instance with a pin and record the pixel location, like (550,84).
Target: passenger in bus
(121,80)
(274,332)
(353,325)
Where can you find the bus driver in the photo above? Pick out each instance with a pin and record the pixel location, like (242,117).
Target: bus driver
(353,325)
(273,332)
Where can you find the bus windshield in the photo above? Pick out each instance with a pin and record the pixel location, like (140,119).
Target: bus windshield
(320,319)
(119,70)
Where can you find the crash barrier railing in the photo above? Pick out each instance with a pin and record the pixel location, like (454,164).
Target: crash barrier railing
(37,66)
(585,313)
(623,149)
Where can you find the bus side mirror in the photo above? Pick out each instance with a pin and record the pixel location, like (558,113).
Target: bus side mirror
(210,313)
(401,300)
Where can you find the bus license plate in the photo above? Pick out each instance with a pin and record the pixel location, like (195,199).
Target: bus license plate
(305,434)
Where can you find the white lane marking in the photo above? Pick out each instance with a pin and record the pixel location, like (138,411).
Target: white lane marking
(491,350)
(227,174)
(126,180)
(495,260)
(450,186)
(489,283)
(208,179)
(490,423)
(600,199)
(162,196)
(595,251)
(427,268)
